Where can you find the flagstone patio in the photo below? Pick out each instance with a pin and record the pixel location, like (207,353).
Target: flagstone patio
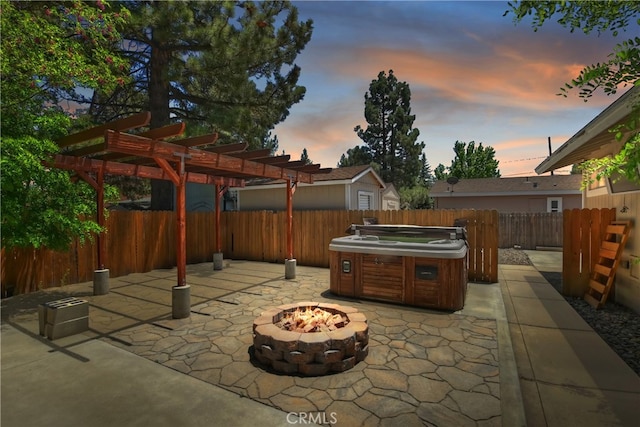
(423,367)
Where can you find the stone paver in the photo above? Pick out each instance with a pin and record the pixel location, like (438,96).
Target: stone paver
(423,368)
(417,358)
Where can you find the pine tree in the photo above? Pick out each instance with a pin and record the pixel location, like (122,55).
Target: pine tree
(225,66)
(389,136)
(305,157)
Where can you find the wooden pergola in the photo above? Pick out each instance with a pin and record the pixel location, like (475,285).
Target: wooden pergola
(110,149)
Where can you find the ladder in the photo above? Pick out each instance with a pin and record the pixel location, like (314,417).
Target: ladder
(604,270)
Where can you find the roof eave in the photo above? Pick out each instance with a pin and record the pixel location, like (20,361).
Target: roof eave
(593,135)
(509,194)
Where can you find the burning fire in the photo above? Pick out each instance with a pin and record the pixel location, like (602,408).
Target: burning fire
(311,320)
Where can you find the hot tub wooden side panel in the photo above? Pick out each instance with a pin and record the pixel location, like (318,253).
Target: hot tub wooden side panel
(424,282)
(343,276)
(446,290)
(382,277)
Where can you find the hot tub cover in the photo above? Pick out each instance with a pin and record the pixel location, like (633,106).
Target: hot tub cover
(440,248)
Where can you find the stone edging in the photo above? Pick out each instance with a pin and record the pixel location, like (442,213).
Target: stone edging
(314,353)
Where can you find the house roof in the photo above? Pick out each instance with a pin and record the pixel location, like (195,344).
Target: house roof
(390,189)
(345,175)
(594,140)
(548,185)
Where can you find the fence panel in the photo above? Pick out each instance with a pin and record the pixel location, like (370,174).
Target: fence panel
(529,230)
(584,230)
(140,241)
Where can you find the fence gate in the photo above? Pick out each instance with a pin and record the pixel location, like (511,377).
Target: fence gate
(584,230)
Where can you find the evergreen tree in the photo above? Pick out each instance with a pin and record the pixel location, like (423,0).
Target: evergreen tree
(305,157)
(425,177)
(470,162)
(271,142)
(225,66)
(389,136)
(356,156)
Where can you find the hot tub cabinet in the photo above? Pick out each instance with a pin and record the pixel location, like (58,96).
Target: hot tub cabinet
(402,264)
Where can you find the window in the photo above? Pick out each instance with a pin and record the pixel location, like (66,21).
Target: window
(620,184)
(554,204)
(597,183)
(365,200)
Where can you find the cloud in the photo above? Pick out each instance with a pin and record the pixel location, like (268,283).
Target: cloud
(473,75)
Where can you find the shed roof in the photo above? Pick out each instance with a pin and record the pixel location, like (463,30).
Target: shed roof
(554,184)
(344,175)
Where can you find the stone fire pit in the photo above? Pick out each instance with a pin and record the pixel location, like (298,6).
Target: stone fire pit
(311,353)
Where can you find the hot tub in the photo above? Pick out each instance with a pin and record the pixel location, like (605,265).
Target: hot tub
(413,265)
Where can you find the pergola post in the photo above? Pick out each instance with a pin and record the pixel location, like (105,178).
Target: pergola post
(217,255)
(290,262)
(101,274)
(181,293)
(121,153)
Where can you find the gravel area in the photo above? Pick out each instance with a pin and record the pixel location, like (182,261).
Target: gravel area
(513,257)
(617,325)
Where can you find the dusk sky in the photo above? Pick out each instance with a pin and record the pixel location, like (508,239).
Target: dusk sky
(474,76)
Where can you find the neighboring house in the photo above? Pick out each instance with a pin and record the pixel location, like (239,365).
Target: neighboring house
(348,188)
(390,198)
(523,194)
(595,141)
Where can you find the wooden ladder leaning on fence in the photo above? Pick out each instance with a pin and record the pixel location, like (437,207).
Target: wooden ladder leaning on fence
(604,270)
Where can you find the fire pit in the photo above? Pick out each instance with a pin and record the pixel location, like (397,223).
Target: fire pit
(311,338)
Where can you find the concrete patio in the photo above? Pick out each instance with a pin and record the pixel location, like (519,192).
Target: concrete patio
(424,367)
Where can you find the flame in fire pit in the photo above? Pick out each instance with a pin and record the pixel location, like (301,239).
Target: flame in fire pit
(311,320)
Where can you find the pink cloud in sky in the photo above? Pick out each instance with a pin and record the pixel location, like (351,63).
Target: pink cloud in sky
(473,76)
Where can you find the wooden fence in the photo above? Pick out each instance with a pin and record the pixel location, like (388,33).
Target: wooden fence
(584,230)
(140,241)
(530,230)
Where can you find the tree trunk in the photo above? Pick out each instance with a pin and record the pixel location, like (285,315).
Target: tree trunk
(162,192)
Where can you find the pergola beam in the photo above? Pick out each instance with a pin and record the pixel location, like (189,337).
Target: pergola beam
(164,132)
(228,148)
(121,125)
(83,165)
(108,149)
(253,154)
(138,146)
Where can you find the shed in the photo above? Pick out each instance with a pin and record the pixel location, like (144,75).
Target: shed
(347,188)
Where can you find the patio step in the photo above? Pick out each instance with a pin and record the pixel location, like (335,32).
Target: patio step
(604,270)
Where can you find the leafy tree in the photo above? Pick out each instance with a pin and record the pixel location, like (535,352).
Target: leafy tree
(470,161)
(416,197)
(389,136)
(40,205)
(49,49)
(620,70)
(440,172)
(356,156)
